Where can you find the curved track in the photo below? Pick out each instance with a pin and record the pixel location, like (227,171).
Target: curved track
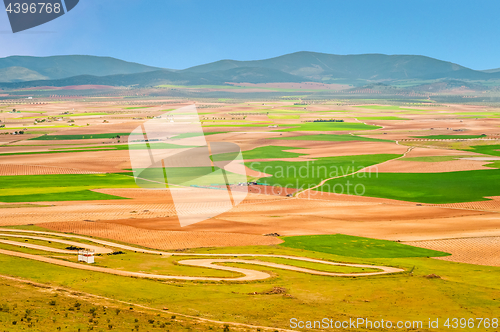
(213,263)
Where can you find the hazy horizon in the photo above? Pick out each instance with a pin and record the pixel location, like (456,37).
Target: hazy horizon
(182,34)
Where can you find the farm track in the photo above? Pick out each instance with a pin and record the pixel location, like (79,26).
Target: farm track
(248,275)
(297,195)
(88,296)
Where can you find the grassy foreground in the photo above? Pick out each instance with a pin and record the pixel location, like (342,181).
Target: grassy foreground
(34,308)
(461,291)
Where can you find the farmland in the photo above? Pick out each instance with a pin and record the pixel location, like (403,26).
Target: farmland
(411,236)
(332,138)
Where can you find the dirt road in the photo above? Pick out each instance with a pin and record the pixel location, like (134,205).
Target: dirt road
(212,263)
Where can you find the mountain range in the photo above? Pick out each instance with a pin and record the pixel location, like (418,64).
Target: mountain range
(25,71)
(29,68)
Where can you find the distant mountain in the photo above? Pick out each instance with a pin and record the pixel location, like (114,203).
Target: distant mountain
(19,74)
(159,77)
(28,68)
(358,70)
(324,67)
(489,71)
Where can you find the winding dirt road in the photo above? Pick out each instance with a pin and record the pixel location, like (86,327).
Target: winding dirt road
(212,263)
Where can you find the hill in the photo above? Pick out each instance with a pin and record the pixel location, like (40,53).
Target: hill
(324,67)
(159,77)
(358,70)
(28,68)
(489,71)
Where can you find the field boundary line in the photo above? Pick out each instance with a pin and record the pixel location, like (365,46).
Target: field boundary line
(297,194)
(70,292)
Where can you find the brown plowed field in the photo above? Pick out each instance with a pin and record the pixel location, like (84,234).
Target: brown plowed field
(39,170)
(98,161)
(477,250)
(491,205)
(420,152)
(164,240)
(402,166)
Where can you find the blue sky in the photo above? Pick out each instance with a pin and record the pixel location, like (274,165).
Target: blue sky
(182,33)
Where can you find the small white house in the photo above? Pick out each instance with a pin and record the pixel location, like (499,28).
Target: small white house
(86,256)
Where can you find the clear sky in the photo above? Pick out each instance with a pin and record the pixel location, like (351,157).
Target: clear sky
(182,33)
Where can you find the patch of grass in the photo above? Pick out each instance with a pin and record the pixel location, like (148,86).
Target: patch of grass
(72,137)
(61,187)
(332,138)
(158,264)
(434,188)
(271,151)
(492,150)
(312,266)
(495,164)
(353,246)
(112,180)
(304,174)
(330,126)
(22,241)
(136,108)
(450,136)
(264,152)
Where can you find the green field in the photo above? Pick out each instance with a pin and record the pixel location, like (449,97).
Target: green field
(332,138)
(71,137)
(330,126)
(353,246)
(61,187)
(264,152)
(450,136)
(493,150)
(304,174)
(272,151)
(435,188)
